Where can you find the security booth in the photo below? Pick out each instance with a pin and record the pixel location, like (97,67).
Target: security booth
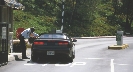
(4,43)
(0,49)
(6,26)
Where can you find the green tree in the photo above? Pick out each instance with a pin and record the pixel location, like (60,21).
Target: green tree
(124,9)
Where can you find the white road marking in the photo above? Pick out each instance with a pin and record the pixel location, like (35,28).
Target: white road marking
(93,58)
(112,65)
(62,64)
(78,63)
(45,64)
(123,64)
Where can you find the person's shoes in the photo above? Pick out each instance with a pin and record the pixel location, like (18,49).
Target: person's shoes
(25,58)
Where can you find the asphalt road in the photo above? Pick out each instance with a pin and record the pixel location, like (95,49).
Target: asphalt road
(92,55)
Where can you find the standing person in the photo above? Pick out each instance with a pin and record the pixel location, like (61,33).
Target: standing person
(25,35)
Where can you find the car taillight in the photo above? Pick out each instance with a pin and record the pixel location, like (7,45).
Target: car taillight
(38,43)
(63,43)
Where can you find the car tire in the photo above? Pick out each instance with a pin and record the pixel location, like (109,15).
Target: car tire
(73,56)
(70,59)
(34,57)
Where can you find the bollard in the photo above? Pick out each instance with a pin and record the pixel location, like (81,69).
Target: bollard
(10,49)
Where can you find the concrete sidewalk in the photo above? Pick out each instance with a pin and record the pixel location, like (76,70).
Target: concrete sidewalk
(14,56)
(95,37)
(18,56)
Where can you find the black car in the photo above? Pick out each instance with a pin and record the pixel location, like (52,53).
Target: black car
(53,44)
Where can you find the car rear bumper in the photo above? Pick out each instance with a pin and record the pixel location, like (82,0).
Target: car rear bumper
(57,51)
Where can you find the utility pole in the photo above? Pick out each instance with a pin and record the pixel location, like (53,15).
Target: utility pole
(63,3)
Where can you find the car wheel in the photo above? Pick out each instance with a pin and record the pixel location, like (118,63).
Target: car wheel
(70,59)
(34,57)
(73,56)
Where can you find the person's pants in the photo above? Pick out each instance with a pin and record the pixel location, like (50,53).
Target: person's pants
(23,46)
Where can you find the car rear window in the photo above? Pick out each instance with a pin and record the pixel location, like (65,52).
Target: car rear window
(53,36)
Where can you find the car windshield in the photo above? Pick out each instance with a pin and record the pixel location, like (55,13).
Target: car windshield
(53,36)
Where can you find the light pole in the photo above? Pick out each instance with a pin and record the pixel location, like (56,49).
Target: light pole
(62,14)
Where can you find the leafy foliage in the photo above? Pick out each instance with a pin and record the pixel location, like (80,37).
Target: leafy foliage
(82,17)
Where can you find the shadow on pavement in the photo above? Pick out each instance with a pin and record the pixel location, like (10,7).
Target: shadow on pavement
(17,58)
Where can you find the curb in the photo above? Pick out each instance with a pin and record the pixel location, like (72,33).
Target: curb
(96,37)
(14,56)
(86,37)
(17,56)
(118,47)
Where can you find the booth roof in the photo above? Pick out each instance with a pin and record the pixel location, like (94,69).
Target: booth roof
(14,4)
